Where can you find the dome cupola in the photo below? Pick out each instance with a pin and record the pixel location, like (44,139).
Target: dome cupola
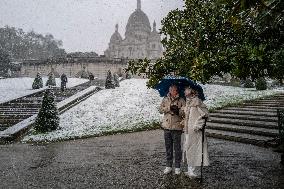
(138,22)
(116,37)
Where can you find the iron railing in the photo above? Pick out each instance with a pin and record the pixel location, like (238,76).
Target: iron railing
(280,115)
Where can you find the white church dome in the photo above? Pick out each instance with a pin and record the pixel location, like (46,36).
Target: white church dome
(138,20)
(116,37)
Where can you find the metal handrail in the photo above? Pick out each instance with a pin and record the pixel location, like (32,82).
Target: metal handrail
(280,115)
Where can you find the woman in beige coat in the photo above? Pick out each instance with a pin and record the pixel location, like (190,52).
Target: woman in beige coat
(171,108)
(195,114)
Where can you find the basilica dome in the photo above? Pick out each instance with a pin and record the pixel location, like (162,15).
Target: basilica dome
(140,40)
(138,21)
(116,37)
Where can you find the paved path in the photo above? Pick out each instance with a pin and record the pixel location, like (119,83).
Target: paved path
(132,160)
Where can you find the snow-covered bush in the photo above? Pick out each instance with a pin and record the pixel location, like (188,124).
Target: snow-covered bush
(38,83)
(48,116)
(248,84)
(51,80)
(109,81)
(261,84)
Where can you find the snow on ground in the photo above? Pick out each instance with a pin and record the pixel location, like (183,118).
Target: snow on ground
(219,96)
(131,106)
(12,88)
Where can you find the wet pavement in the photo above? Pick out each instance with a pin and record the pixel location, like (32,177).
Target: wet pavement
(134,160)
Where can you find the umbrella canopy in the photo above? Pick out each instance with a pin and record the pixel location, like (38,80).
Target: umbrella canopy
(181,82)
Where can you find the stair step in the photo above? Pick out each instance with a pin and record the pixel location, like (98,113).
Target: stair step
(19,111)
(261,104)
(26,105)
(3,128)
(17,116)
(244,129)
(5,125)
(250,109)
(28,101)
(32,99)
(241,137)
(244,112)
(245,117)
(264,124)
(262,107)
(18,108)
(273,99)
(14,108)
(270,100)
(16,113)
(10,121)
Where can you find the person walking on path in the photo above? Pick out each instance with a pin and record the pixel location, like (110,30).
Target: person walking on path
(64,81)
(196,114)
(91,78)
(171,108)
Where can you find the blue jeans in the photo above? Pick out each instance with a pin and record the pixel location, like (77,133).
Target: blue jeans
(173,144)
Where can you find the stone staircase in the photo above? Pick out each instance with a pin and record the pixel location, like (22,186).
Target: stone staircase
(252,122)
(17,110)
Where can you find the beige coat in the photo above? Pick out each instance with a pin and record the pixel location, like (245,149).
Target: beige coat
(170,121)
(195,111)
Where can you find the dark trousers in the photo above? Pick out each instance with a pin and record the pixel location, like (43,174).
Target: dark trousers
(63,86)
(173,144)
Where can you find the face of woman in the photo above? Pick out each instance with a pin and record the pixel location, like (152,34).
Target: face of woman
(189,92)
(173,91)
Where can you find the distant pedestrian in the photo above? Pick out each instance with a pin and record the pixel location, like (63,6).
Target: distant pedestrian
(91,77)
(9,73)
(64,81)
(171,108)
(116,80)
(196,114)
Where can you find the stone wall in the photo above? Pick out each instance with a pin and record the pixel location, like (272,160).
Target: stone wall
(74,67)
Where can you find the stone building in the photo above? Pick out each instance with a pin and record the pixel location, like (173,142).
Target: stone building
(141,41)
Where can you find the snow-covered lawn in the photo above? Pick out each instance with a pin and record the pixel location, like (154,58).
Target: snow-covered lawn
(131,106)
(218,96)
(12,88)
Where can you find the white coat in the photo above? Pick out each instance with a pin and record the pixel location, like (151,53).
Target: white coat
(195,112)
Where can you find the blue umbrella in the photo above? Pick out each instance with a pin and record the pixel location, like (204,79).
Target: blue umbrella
(181,82)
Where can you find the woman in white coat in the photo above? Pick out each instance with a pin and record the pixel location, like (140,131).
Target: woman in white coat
(195,114)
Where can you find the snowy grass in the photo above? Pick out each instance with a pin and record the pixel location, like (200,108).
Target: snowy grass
(218,96)
(132,107)
(12,88)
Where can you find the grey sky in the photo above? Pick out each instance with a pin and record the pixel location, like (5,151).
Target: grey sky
(82,25)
